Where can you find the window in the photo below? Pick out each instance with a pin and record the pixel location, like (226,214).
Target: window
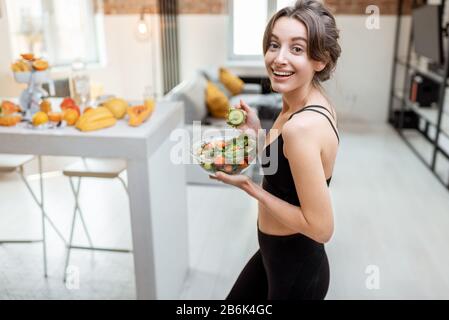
(248,21)
(60,31)
(284,3)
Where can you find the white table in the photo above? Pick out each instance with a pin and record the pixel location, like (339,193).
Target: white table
(157,188)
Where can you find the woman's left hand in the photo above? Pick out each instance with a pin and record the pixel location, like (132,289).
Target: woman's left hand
(240,181)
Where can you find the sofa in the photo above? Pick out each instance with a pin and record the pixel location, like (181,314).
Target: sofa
(192,93)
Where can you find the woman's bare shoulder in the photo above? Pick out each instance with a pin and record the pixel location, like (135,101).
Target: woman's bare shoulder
(330,109)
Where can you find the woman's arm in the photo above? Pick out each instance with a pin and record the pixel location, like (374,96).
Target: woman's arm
(302,147)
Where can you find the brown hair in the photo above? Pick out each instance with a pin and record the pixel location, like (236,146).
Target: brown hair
(322,34)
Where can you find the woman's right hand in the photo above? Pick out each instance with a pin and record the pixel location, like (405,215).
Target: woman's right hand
(252,123)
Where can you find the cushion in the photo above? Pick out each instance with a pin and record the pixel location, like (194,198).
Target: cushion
(212,75)
(192,93)
(233,83)
(217,102)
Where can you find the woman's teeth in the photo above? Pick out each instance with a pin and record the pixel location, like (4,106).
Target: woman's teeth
(282,74)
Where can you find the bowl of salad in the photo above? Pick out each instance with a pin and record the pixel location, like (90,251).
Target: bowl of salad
(231,154)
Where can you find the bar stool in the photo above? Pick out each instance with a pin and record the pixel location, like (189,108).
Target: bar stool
(15,163)
(90,168)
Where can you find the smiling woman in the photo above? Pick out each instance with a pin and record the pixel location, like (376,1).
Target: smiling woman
(295,217)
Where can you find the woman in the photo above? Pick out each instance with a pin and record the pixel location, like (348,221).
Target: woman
(295,216)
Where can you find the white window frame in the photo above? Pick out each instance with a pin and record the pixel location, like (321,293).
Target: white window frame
(232,57)
(99,39)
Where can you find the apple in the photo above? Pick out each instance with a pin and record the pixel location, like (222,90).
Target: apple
(69,103)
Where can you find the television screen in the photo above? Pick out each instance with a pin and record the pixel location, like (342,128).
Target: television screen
(427,36)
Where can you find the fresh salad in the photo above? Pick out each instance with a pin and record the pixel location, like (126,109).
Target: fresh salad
(231,156)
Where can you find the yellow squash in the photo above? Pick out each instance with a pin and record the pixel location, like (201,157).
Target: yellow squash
(117,106)
(96,119)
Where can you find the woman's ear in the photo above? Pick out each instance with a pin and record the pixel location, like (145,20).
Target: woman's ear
(319,65)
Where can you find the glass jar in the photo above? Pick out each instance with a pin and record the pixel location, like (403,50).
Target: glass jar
(149,99)
(80,83)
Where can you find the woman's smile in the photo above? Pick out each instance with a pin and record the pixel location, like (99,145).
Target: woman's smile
(281,76)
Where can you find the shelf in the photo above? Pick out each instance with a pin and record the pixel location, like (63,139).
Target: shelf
(430,114)
(442,167)
(422,139)
(419,145)
(423,150)
(431,74)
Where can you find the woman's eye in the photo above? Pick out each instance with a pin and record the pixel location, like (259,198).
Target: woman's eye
(273,45)
(297,49)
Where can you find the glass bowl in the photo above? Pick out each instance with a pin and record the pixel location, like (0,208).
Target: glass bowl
(230,153)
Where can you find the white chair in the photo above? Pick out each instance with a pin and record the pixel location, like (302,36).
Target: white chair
(90,168)
(15,163)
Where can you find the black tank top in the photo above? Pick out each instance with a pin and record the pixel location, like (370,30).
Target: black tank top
(280,181)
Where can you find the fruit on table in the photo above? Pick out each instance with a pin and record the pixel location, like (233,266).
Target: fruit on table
(27,56)
(55,116)
(39,118)
(10,120)
(138,114)
(8,107)
(69,103)
(45,106)
(40,65)
(88,109)
(20,66)
(117,106)
(70,116)
(96,119)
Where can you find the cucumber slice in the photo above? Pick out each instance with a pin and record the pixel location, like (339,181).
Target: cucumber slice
(207,166)
(236,117)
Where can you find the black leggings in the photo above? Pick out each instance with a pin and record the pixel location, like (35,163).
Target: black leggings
(285,267)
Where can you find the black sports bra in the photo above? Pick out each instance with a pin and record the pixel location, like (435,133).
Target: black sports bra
(278,179)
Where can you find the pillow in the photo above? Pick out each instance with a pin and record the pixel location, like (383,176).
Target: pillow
(217,102)
(231,81)
(212,75)
(191,92)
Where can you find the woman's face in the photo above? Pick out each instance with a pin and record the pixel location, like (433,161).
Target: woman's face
(288,65)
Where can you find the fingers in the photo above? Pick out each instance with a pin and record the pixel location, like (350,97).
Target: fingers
(221,176)
(218,176)
(244,106)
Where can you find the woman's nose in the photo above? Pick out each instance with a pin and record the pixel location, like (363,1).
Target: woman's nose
(280,57)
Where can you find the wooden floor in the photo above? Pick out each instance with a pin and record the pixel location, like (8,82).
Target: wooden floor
(390,240)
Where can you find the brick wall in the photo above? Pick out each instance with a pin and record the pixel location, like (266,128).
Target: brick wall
(355,7)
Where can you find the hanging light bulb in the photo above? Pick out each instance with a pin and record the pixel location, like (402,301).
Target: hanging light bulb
(142,29)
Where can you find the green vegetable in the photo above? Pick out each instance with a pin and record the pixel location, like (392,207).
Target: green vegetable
(236,117)
(231,156)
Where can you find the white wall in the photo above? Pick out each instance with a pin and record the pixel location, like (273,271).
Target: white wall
(130,63)
(361,83)
(203,41)
(7,85)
